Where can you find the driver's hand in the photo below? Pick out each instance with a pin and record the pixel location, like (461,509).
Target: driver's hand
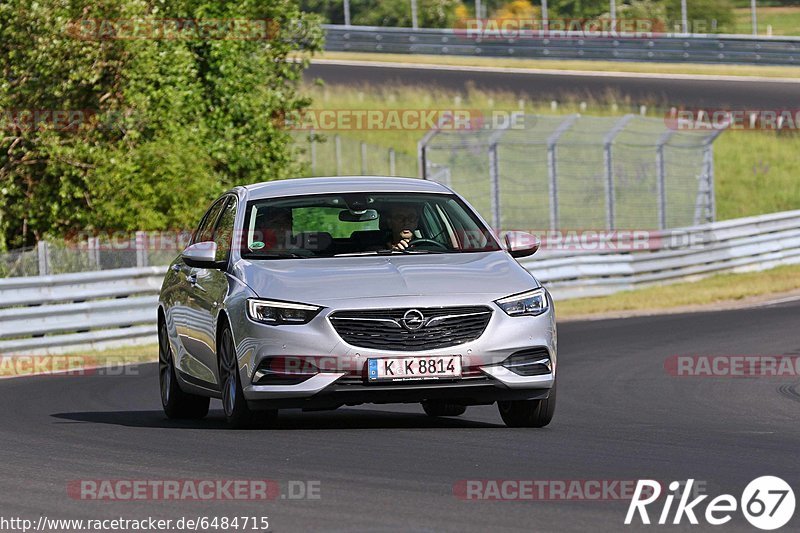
(402,245)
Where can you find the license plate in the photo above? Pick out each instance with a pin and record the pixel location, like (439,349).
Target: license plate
(414,368)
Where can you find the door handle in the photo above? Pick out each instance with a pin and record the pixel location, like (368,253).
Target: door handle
(176,268)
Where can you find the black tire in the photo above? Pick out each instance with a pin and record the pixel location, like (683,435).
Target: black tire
(443,408)
(234,403)
(176,402)
(528,413)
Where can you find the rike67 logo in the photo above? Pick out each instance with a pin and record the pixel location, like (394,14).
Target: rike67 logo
(767,503)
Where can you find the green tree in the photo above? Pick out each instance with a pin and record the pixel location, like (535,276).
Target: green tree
(163,125)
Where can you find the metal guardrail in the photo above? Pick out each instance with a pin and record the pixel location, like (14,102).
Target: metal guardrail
(68,312)
(88,310)
(740,245)
(690,48)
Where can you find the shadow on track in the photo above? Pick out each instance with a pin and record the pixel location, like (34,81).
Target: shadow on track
(290,419)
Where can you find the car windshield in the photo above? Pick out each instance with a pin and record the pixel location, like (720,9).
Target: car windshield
(361,224)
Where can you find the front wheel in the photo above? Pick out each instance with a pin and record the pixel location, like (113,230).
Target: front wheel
(528,413)
(237,412)
(176,402)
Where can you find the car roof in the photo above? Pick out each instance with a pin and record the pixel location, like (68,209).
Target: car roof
(342,184)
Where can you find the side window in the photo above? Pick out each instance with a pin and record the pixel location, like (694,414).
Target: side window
(224,230)
(206,228)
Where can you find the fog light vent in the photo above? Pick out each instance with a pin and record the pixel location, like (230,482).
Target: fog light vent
(531,362)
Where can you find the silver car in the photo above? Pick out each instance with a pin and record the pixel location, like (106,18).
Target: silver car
(322,292)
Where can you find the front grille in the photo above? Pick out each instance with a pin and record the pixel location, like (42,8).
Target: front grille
(384,329)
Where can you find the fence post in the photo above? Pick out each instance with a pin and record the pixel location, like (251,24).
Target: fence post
(93,246)
(392,162)
(141,249)
(552,167)
(710,173)
(710,176)
(494,174)
(661,179)
(609,168)
(43,252)
(494,178)
(363,158)
(337,141)
(422,151)
(313,153)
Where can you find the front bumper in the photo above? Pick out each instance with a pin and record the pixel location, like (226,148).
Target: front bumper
(467,392)
(341,382)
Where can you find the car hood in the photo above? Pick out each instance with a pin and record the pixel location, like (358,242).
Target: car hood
(492,274)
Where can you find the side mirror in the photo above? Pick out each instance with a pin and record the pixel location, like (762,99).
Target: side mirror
(521,244)
(201,255)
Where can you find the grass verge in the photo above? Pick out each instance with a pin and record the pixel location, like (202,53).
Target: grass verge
(762,71)
(713,291)
(784,20)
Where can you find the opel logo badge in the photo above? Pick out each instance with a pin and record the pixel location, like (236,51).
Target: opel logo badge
(413,319)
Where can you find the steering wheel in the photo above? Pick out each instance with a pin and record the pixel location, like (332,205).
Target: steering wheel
(439,245)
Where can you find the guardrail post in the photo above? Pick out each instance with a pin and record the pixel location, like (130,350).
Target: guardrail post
(609,168)
(392,162)
(552,167)
(43,252)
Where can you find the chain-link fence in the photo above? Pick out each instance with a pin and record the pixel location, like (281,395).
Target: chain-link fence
(337,155)
(569,172)
(107,252)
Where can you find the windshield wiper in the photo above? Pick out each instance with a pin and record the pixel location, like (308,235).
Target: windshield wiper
(277,255)
(390,252)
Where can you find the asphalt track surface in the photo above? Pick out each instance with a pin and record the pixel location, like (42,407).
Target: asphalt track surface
(391,468)
(662,91)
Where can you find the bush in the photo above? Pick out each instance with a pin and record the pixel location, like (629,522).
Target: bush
(166,124)
(518,9)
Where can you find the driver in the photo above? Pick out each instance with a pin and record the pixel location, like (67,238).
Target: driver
(402,220)
(275,229)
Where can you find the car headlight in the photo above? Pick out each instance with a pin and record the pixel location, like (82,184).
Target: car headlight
(531,303)
(275,313)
